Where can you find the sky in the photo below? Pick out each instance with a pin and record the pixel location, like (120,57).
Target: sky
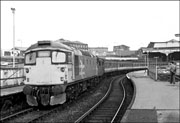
(96,23)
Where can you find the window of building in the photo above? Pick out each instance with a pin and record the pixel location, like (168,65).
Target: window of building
(7,53)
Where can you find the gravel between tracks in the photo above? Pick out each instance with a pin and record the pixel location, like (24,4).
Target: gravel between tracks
(79,107)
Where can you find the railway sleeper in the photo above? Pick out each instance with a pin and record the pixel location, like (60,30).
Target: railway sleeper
(100,118)
(102,113)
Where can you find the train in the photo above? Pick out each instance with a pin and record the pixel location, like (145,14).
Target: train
(56,72)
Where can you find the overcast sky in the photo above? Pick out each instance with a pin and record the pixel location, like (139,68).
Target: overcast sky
(97,23)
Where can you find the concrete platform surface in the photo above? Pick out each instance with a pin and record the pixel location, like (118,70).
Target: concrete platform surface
(155,101)
(12,90)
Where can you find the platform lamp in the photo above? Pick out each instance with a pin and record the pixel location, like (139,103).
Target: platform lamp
(13,11)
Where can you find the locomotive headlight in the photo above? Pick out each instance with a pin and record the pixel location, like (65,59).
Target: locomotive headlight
(27,70)
(62,69)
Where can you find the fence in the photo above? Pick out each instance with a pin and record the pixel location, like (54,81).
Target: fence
(12,76)
(160,71)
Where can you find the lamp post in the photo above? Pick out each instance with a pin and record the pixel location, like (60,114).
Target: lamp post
(156,60)
(148,59)
(156,67)
(148,63)
(13,11)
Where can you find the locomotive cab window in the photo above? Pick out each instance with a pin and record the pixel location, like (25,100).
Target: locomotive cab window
(58,57)
(30,58)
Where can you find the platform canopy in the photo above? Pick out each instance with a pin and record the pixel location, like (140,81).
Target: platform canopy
(163,47)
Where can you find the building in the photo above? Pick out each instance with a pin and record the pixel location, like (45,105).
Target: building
(19,51)
(120,48)
(7,55)
(165,51)
(76,44)
(177,35)
(6,52)
(123,51)
(111,53)
(127,53)
(99,51)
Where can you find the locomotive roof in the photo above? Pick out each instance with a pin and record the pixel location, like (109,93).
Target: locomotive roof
(48,44)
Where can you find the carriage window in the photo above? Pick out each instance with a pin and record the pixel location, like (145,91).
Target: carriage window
(58,57)
(43,53)
(30,58)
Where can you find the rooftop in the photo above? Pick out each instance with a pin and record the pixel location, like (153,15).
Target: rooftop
(20,48)
(168,44)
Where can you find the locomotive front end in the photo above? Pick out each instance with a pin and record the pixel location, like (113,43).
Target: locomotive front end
(46,70)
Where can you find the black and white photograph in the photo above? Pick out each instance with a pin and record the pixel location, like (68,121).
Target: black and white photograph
(90,61)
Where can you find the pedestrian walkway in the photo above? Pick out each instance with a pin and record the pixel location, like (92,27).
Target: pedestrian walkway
(155,101)
(12,90)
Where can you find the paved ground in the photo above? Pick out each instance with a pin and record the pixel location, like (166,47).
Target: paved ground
(12,90)
(155,101)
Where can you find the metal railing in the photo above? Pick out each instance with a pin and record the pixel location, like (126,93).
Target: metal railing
(11,77)
(155,68)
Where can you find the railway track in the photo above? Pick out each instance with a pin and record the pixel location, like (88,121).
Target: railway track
(113,97)
(4,119)
(30,115)
(107,109)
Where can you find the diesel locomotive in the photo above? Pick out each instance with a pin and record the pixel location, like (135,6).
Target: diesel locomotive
(56,72)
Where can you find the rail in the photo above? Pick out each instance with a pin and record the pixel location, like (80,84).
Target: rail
(96,105)
(112,97)
(123,100)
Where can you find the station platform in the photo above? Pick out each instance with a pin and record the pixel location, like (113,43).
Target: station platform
(155,101)
(12,90)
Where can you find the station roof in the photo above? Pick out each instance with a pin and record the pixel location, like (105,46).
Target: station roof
(165,45)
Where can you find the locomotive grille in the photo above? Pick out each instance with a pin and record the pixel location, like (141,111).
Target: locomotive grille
(44,90)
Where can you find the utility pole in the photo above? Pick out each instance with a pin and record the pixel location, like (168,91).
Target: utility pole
(156,68)
(13,11)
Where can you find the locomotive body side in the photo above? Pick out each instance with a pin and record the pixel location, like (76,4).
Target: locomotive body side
(85,66)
